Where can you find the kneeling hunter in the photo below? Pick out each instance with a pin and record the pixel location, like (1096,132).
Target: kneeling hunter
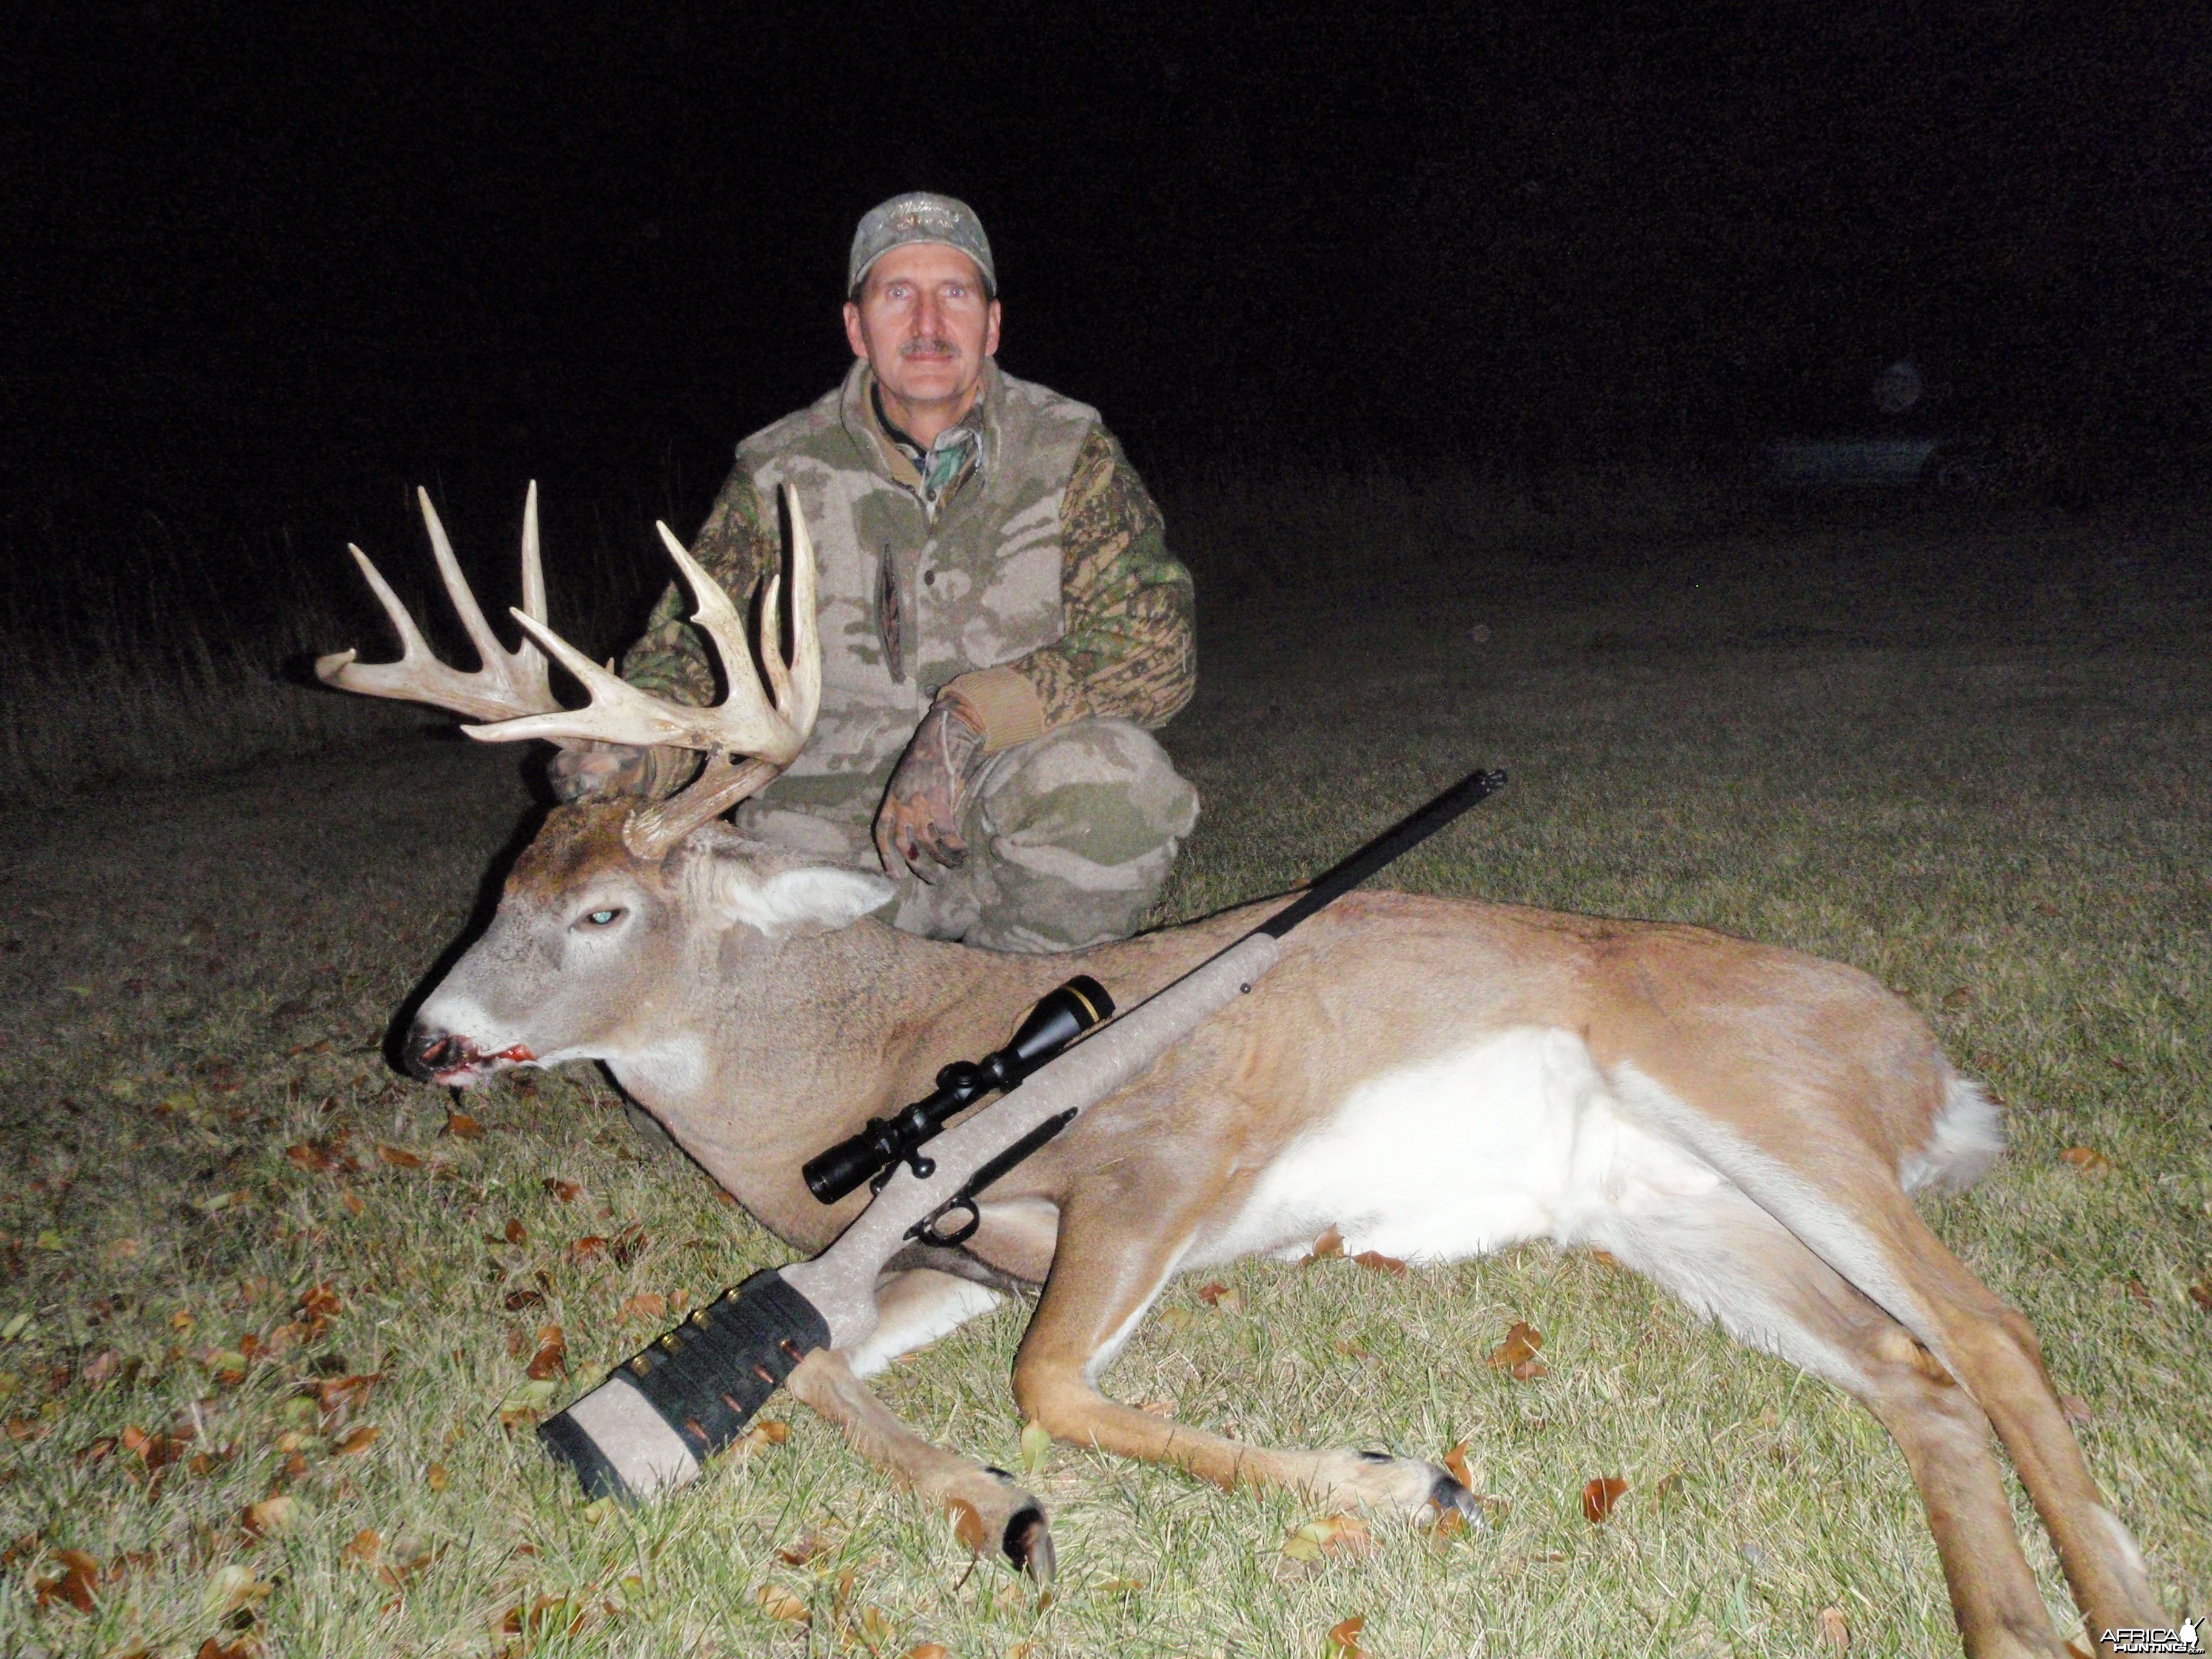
(1002,624)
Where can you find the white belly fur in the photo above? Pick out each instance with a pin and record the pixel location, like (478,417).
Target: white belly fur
(1518,1137)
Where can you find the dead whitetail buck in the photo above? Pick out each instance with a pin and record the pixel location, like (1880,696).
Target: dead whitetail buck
(1434,1079)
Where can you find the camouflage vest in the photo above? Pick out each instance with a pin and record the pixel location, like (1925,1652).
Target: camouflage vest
(978,588)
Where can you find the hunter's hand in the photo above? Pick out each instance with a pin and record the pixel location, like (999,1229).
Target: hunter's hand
(581,769)
(918,829)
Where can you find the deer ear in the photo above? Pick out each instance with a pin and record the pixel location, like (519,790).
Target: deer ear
(814,899)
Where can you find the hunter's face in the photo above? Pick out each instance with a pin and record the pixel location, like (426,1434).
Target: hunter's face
(925,326)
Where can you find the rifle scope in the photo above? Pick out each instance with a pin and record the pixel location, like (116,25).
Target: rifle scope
(1060,1017)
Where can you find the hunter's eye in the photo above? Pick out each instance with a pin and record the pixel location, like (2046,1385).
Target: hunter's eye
(602,918)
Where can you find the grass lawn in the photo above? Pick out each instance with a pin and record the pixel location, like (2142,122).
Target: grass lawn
(276,1321)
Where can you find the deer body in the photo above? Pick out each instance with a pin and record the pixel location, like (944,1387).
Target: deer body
(1432,1078)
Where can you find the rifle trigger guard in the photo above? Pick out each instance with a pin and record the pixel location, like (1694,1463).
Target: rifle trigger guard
(927,1231)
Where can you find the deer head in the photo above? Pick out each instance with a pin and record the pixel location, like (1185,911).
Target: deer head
(605,904)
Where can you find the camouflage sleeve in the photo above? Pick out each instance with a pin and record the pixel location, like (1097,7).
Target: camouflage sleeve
(1129,649)
(673,659)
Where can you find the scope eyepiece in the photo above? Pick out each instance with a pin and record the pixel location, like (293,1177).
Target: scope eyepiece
(1060,1017)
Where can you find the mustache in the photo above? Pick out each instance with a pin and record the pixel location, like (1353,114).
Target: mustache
(933,345)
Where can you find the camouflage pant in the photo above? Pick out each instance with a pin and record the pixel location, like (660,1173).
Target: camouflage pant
(1070,839)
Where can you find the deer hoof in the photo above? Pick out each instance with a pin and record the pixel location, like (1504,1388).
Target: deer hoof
(1447,1497)
(1028,1544)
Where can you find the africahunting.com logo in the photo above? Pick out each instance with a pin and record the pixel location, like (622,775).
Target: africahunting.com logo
(2131,1639)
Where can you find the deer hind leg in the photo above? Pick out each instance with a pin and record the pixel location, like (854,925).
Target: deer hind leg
(1114,1260)
(1993,1350)
(1728,1258)
(915,1306)
(1831,1193)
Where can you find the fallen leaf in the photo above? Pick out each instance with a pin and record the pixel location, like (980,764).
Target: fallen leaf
(398,1156)
(1958,997)
(585,1248)
(565,1191)
(519,1301)
(1338,1534)
(1221,1297)
(212,1648)
(1605,1258)
(232,1587)
(1516,1355)
(69,1577)
(462,1127)
(1456,1465)
(645,1307)
(271,1515)
(1329,1245)
(1120,1586)
(1835,1630)
(339,1394)
(437,1477)
(2201,1294)
(516,1233)
(928,1650)
(628,1245)
(807,1549)
(1037,1446)
(356,1441)
(769,1432)
(1342,1641)
(352,1203)
(367,1544)
(2087,1160)
(1599,1495)
(318,1304)
(524,1402)
(1375,1262)
(778,1602)
(551,1358)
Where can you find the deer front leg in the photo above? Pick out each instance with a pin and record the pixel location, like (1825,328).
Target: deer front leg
(987,1509)
(1114,1260)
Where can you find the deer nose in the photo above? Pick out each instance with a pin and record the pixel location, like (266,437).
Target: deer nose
(430,1050)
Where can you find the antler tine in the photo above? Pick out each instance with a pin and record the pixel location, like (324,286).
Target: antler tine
(489,648)
(534,568)
(771,650)
(806,625)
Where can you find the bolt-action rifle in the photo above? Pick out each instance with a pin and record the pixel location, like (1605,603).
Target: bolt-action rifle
(662,1413)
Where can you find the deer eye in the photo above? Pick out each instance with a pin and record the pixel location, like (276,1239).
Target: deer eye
(605,918)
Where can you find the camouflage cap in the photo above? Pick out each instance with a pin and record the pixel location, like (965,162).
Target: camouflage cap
(920,216)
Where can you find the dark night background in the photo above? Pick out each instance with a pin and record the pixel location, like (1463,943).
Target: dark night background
(267,268)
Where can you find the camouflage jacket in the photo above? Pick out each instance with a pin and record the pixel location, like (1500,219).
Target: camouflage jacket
(1042,586)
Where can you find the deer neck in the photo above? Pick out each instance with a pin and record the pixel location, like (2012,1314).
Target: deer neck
(811,1036)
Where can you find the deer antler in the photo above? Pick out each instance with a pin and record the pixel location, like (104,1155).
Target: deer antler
(508,683)
(767,736)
